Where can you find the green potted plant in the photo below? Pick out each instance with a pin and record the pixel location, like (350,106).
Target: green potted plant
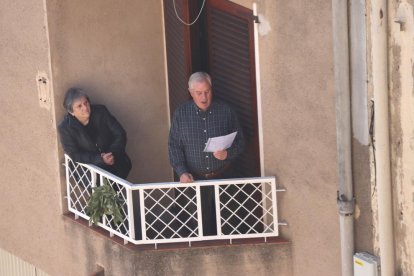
(104,201)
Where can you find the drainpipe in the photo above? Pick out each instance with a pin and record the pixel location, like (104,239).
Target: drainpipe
(379,28)
(343,133)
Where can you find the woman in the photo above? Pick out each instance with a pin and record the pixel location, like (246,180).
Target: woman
(90,134)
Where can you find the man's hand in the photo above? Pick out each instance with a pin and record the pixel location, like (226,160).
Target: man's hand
(220,154)
(186,178)
(108,158)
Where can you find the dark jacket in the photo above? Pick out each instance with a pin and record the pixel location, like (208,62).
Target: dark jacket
(110,137)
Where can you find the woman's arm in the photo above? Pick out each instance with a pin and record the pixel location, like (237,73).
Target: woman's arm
(120,137)
(71,147)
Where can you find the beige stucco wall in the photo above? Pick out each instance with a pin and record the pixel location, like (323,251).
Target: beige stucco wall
(298,109)
(108,46)
(116,50)
(30,198)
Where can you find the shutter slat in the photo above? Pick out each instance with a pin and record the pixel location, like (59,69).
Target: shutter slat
(229,22)
(231,65)
(177,41)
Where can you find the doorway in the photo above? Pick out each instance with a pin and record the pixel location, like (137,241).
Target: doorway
(221,43)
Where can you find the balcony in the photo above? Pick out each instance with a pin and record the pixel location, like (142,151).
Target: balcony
(171,212)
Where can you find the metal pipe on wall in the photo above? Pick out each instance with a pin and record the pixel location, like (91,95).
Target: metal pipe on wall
(379,28)
(343,130)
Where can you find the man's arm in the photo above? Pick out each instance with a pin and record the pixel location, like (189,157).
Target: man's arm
(186,178)
(221,154)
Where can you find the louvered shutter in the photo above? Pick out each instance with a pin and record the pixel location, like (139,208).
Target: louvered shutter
(177,39)
(232,67)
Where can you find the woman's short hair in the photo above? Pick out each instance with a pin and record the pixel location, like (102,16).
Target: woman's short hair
(71,96)
(199,77)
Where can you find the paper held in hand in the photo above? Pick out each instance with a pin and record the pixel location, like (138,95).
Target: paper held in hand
(220,143)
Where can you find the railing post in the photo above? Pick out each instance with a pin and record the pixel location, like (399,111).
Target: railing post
(199,211)
(67,180)
(264,187)
(141,209)
(130,206)
(93,178)
(274,205)
(218,214)
(94,185)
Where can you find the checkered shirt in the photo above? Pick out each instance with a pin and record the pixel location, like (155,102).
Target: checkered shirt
(190,130)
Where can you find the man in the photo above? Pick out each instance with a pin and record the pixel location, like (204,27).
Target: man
(194,122)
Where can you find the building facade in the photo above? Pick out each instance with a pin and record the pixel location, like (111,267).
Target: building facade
(119,51)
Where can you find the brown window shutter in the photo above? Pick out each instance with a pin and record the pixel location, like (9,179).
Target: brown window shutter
(177,38)
(232,67)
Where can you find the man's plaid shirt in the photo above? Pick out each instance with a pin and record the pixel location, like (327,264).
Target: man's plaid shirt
(190,130)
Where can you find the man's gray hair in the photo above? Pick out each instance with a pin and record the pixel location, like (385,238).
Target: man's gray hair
(71,96)
(198,77)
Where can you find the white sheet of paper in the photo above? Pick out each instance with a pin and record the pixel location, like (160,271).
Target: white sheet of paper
(220,143)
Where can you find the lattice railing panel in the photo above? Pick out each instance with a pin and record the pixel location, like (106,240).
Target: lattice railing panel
(80,186)
(123,226)
(245,209)
(171,213)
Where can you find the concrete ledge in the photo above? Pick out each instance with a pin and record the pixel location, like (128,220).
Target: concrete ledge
(180,245)
(242,257)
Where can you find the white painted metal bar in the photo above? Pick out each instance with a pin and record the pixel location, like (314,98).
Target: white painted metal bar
(67,182)
(199,214)
(241,201)
(217,203)
(169,185)
(274,208)
(142,210)
(205,238)
(130,205)
(93,176)
(101,178)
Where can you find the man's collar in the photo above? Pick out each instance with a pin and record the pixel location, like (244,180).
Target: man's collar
(197,109)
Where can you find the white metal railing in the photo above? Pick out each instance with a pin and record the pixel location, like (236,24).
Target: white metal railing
(172,212)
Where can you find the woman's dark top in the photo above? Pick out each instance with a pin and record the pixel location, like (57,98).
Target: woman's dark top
(103,133)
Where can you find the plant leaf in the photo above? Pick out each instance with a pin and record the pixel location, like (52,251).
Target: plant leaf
(104,201)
